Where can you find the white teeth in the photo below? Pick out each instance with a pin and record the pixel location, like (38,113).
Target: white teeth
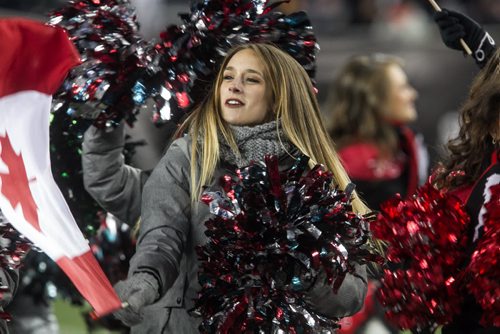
(233,102)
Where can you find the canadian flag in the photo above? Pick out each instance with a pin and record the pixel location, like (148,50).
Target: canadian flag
(34,59)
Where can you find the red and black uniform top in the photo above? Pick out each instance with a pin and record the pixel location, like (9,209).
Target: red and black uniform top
(379,177)
(474,196)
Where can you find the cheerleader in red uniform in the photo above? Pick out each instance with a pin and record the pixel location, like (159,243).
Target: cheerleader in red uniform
(470,172)
(371,104)
(444,241)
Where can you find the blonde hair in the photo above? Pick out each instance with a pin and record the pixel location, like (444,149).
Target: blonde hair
(357,100)
(294,105)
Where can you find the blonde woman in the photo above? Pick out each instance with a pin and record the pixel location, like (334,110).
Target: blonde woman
(262,102)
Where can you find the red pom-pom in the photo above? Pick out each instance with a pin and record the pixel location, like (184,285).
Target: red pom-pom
(427,237)
(272,236)
(116,75)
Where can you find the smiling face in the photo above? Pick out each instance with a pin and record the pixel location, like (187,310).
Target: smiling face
(244,95)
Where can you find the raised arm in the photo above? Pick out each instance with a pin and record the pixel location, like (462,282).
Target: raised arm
(454,25)
(116,186)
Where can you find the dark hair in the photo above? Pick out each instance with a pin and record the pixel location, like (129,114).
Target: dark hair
(357,99)
(479,119)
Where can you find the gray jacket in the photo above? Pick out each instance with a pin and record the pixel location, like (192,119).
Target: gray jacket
(172,227)
(115,186)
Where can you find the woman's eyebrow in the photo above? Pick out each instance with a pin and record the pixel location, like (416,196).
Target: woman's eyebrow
(230,68)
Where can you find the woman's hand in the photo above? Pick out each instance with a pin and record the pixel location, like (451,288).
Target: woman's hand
(139,290)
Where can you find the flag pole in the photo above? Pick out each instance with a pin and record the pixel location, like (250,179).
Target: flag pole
(464,45)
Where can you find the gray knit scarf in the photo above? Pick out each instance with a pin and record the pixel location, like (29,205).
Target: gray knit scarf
(254,142)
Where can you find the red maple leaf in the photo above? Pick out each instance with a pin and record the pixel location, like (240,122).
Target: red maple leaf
(15,184)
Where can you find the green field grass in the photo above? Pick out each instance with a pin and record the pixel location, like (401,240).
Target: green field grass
(71,319)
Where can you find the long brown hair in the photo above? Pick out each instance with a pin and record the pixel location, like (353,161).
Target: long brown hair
(295,107)
(479,128)
(356,102)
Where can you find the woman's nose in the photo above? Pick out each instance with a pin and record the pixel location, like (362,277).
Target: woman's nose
(414,93)
(235,88)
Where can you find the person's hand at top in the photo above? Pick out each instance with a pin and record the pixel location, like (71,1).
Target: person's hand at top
(454,25)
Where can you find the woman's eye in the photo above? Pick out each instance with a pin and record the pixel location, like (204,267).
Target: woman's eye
(227,77)
(253,80)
